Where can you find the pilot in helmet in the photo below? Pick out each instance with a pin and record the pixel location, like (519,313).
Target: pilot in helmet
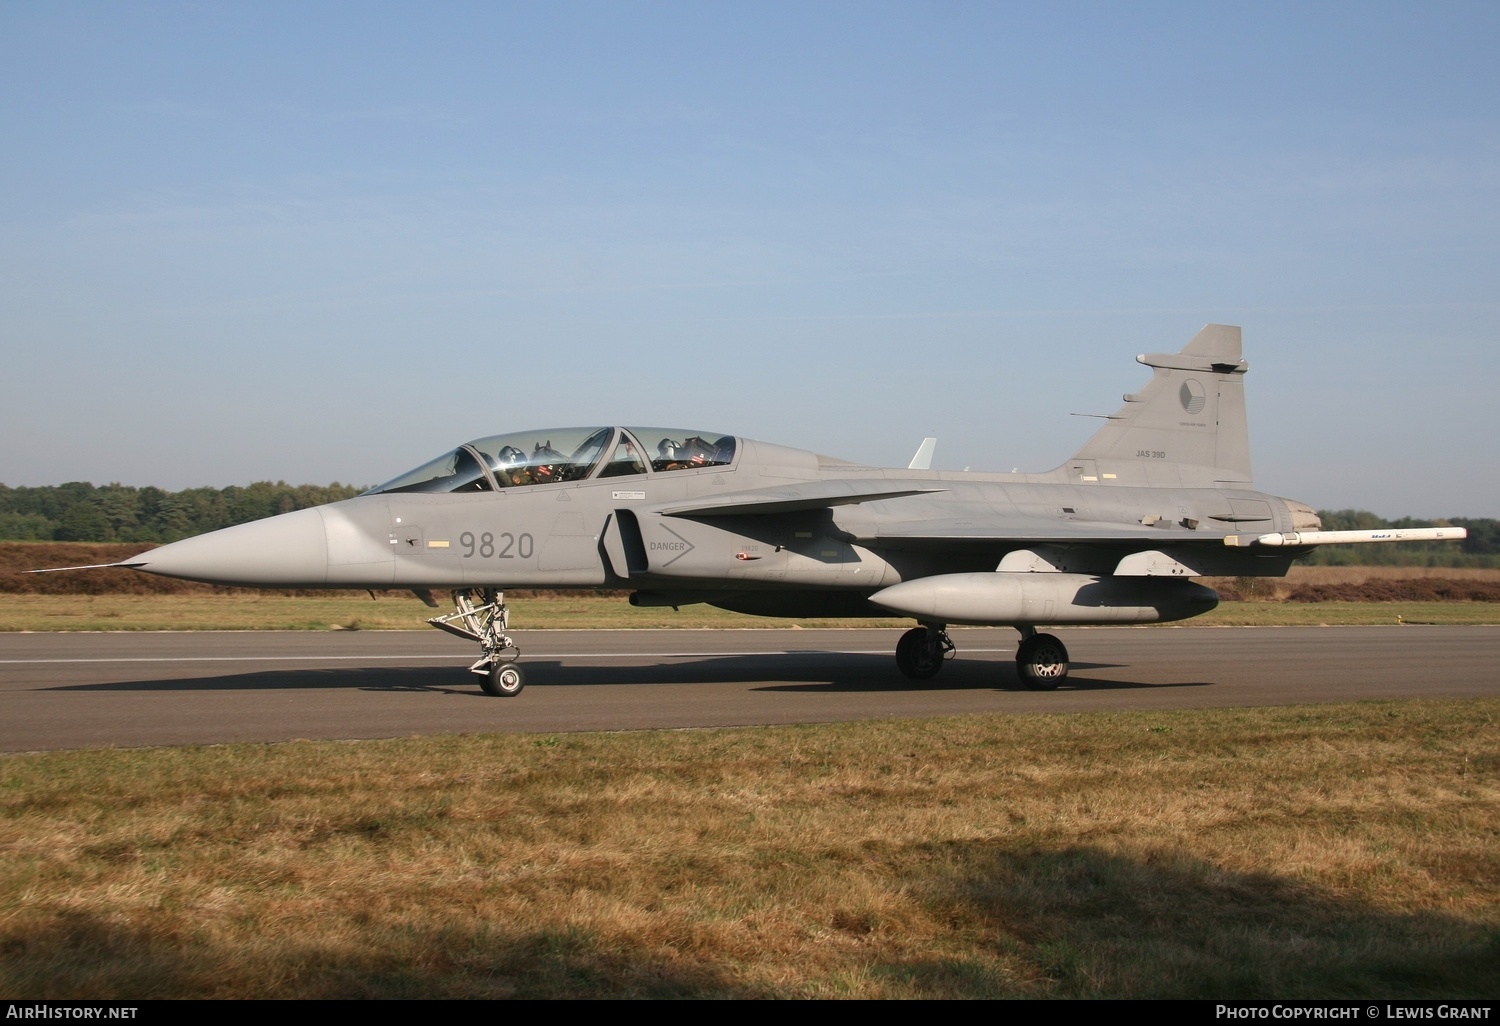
(510,467)
(543,463)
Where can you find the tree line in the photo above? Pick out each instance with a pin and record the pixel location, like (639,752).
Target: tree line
(80,512)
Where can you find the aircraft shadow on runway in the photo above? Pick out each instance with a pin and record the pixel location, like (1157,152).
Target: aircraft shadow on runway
(793,672)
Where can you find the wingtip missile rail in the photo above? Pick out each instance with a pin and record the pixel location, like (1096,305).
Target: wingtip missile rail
(1295,539)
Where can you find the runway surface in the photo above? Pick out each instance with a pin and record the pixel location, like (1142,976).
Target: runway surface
(126,690)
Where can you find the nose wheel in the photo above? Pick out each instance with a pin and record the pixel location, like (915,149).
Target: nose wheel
(503,681)
(486,623)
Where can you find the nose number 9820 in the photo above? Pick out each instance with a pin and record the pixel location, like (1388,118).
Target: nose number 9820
(502,546)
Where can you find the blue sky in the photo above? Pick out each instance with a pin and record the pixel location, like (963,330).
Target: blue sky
(320,242)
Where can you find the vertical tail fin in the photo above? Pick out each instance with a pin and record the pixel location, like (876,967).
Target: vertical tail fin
(1187,427)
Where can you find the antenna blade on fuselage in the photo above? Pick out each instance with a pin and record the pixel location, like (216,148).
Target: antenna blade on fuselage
(923,459)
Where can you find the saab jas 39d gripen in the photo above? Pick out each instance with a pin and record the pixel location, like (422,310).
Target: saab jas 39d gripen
(1161,494)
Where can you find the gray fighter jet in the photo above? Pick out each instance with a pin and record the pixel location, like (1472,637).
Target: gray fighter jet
(1161,494)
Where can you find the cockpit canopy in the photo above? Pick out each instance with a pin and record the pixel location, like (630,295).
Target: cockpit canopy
(564,454)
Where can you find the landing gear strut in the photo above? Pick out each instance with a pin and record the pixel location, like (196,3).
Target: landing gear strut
(486,624)
(1041,660)
(921,651)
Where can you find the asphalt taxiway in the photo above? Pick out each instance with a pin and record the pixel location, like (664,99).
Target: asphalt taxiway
(61,691)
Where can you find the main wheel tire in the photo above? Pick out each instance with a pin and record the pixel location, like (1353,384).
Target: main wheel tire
(503,681)
(1042,662)
(918,654)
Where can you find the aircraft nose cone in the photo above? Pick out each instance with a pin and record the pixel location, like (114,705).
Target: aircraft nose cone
(288,551)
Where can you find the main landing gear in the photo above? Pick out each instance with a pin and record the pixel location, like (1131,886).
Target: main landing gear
(486,624)
(921,651)
(1041,659)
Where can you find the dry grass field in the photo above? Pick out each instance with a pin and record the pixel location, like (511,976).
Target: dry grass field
(1304,575)
(1332,851)
(1372,580)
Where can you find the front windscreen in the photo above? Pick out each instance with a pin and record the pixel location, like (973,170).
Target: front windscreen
(457,471)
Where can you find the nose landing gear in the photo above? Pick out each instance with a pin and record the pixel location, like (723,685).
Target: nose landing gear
(486,623)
